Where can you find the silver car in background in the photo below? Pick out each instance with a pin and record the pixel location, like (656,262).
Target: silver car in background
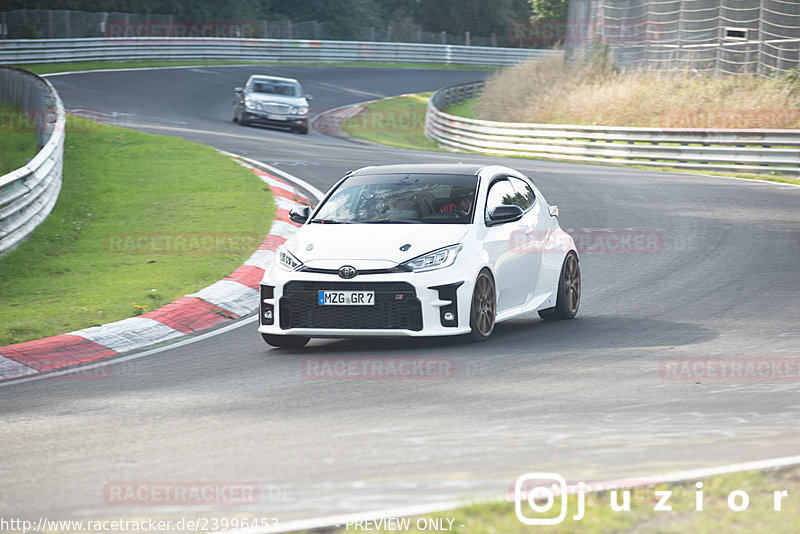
(272,101)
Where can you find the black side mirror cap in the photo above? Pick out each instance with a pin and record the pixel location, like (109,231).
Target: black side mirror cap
(300,215)
(503,214)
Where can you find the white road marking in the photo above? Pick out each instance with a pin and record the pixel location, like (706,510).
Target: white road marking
(128,334)
(230,296)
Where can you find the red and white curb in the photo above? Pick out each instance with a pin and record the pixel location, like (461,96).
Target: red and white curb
(230,298)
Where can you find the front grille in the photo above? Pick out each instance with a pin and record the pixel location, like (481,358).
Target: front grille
(276,108)
(396,307)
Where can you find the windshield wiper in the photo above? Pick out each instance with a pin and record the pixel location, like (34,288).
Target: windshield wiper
(329,221)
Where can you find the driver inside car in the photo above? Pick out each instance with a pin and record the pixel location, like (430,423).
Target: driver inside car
(460,202)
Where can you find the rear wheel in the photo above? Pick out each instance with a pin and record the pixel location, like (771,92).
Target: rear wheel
(569,291)
(285,342)
(484,306)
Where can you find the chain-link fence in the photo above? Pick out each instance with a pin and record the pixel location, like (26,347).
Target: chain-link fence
(705,36)
(63,24)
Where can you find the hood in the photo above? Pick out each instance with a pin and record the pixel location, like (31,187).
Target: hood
(369,246)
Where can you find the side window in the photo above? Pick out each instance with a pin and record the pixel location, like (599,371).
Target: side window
(500,192)
(524,195)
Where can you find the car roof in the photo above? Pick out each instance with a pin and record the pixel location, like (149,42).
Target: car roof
(261,77)
(421,168)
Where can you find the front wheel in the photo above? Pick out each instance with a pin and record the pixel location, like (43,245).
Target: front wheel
(569,291)
(285,342)
(484,306)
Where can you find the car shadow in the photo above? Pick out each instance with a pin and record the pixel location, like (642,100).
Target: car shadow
(591,332)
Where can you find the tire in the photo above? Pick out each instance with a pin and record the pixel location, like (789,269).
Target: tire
(483,310)
(243,120)
(302,130)
(235,118)
(569,291)
(285,342)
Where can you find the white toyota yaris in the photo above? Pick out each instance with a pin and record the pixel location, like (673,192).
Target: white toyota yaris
(420,250)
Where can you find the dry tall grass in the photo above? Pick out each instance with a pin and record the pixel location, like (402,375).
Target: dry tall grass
(557,93)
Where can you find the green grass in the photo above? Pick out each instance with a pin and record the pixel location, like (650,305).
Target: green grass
(49,68)
(397,122)
(464,109)
(715,516)
(17,139)
(124,195)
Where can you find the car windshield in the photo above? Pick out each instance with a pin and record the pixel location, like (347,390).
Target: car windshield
(275,87)
(401,198)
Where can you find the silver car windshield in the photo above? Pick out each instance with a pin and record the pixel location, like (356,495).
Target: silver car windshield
(276,88)
(401,198)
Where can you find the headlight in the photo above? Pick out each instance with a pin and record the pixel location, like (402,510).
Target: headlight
(249,103)
(443,257)
(300,110)
(286,261)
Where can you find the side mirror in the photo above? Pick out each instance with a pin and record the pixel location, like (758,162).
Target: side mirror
(308,97)
(239,90)
(554,211)
(300,215)
(504,213)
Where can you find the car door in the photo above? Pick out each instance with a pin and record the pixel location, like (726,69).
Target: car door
(512,279)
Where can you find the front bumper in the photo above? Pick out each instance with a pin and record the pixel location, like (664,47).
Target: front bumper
(407,304)
(277,120)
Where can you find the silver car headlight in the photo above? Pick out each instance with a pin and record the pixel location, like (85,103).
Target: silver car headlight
(300,110)
(248,103)
(437,259)
(286,260)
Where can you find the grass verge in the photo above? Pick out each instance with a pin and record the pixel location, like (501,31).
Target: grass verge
(400,121)
(596,93)
(49,68)
(17,139)
(397,122)
(141,220)
(464,109)
(716,514)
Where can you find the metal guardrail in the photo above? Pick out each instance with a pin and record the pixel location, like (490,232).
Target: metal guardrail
(745,151)
(28,194)
(163,49)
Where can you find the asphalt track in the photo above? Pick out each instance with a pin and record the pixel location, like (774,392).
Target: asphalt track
(584,398)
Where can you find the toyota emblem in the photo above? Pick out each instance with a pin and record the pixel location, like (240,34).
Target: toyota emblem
(347,271)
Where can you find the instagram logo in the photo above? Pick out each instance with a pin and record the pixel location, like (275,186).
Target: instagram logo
(539,491)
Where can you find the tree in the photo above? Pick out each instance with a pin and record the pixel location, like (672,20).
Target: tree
(549,9)
(476,16)
(344,19)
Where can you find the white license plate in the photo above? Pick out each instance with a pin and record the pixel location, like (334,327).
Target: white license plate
(274,117)
(346,298)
